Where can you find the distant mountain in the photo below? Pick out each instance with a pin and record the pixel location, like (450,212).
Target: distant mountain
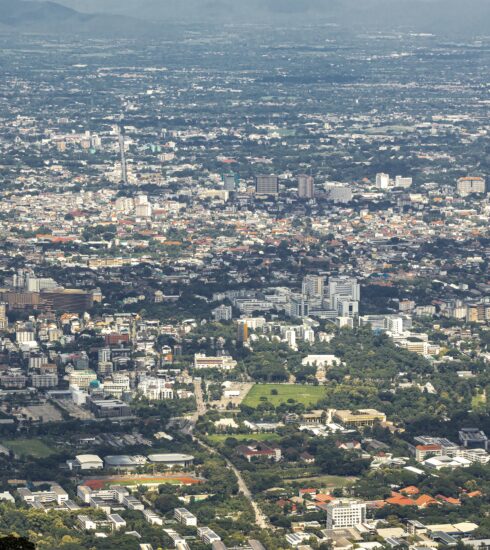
(466,16)
(149,17)
(53,18)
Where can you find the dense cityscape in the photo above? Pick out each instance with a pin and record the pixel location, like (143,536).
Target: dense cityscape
(245,290)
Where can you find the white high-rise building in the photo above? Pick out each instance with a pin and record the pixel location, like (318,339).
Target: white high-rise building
(343,288)
(382,180)
(395,325)
(345,514)
(290,336)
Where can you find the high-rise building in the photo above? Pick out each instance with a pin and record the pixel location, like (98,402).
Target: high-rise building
(230,182)
(382,180)
(345,514)
(343,288)
(469,185)
(242,331)
(299,306)
(314,285)
(223,313)
(306,187)
(339,193)
(3,316)
(104,354)
(266,185)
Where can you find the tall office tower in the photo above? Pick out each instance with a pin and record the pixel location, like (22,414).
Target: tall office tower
(469,185)
(242,331)
(382,181)
(266,185)
(313,285)
(122,151)
(230,182)
(343,289)
(3,316)
(104,354)
(306,187)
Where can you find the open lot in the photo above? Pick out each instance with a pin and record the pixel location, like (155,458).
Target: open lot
(43,413)
(308,395)
(29,447)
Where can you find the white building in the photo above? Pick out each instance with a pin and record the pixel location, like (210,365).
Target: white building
(86,462)
(81,378)
(345,514)
(207,535)
(405,183)
(223,313)
(182,515)
(155,389)
(224,362)
(382,180)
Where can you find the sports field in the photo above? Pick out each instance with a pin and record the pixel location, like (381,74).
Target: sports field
(308,395)
(135,480)
(28,447)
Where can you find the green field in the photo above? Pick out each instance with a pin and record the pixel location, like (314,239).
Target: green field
(308,395)
(29,447)
(220,438)
(337,482)
(479,401)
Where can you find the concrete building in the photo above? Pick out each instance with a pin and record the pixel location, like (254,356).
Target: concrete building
(382,181)
(182,515)
(342,515)
(306,187)
(266,185)
(359,418)
(470,185)
(172,459)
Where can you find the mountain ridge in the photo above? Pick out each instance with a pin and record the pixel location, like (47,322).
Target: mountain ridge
(54,18)
(140,17)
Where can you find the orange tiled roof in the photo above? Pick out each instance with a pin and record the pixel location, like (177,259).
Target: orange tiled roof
(410,490)
(425,500)
(400,501)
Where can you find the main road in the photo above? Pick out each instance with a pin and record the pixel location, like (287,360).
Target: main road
(260,518)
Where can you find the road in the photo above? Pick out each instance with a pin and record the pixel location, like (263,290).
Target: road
(200,405)
(260,518)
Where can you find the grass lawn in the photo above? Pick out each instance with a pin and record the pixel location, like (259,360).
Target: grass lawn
(478,401)
(325,481)
(308,395)
(29,447)
(219,438)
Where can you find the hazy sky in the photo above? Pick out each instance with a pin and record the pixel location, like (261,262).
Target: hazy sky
(451,16)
